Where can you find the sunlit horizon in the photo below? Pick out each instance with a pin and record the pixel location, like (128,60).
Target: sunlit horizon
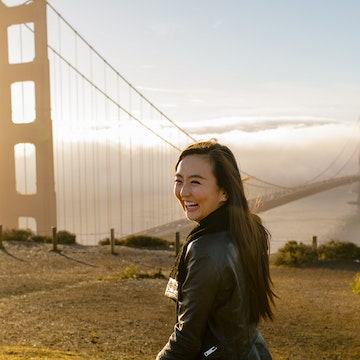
(116,138)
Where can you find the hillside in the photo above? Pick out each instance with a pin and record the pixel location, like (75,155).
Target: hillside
(74,301)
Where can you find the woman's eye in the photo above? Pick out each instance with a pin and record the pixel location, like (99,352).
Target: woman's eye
(195,182)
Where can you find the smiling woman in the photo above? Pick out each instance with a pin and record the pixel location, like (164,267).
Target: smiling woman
(220,280)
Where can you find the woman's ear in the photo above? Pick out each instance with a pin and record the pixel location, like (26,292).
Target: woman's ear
(224,196)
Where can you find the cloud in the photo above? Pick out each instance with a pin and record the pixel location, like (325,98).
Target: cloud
(162,90)
(286,151)
(254,124)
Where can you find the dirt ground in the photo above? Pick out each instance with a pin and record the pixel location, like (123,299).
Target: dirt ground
(74,300)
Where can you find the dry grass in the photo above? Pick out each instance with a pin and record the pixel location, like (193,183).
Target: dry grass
(19,353)
(57,306)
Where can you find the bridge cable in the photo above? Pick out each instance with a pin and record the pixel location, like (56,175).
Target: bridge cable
(120,174)
(117,104)
(347,162)
(61,164)
(250,177)
(134,89)
(130,116)
(330,165)
(118,74)
(113,101)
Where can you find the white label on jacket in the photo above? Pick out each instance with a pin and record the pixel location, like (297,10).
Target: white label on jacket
(171,290)
(210,351)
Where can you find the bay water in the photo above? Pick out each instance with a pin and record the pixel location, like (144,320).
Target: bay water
(330,215)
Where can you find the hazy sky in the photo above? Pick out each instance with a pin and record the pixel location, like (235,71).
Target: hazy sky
(210,59)
(280,75)
(279,79)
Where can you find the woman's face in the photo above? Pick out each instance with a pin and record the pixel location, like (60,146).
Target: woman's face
(196,187)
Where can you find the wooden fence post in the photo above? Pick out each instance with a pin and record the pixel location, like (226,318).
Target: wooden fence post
(177,243)
(1,237)
(112,240)
(54,238)
(314,242)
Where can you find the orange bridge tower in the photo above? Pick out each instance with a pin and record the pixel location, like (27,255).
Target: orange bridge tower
(27,187)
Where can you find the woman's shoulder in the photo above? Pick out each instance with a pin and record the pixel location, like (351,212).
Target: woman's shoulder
(210,244)
(214,237)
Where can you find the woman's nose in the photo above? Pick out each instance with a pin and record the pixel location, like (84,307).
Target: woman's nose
(184,190)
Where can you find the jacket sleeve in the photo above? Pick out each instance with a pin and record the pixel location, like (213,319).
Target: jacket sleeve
(197,296)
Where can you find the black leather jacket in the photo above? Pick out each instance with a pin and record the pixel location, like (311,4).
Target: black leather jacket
(211,307)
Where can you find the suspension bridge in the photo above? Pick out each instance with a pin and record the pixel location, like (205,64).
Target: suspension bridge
(96,154)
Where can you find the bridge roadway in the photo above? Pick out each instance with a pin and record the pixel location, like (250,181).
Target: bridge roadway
(275,199)
(283,197)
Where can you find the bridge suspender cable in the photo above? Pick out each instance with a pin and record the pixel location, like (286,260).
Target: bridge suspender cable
(114,102)
(330,165)
(118,74)
(348,161)
(264,182)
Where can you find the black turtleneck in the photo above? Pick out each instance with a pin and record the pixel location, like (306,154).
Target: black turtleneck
(216,221)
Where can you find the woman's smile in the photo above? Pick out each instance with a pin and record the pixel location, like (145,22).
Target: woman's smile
(190,205)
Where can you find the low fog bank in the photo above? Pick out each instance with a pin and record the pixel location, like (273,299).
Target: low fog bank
(100,185)
(288,152)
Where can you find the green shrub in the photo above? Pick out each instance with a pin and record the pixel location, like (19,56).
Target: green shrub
(106,241)
(130,272)
(356,284)
(140,241)
(143,241)
(337,250)
(41,239)
(62,237)
(133,272)
(18,235)
(296,254)
(65,237)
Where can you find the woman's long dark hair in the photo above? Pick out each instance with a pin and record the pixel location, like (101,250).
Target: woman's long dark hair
(246,228)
